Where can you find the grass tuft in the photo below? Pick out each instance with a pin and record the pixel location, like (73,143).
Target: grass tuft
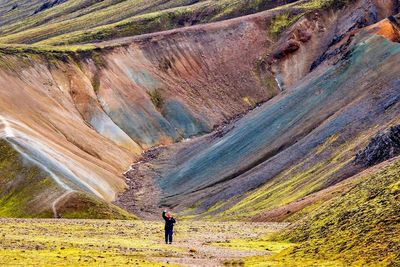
(156,98)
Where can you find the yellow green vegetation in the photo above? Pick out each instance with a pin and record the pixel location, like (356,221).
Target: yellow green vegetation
(54,32)
(43,49)
(86,22)
(27,191)
(257,244)
(278,261)
(274,250)
(325,4)
(80,14)
(19,56)
(299,181)
(76,21)
(21,185)
(84,206)
(116,243)
(265,77)
(78,243)
(14,57)
(361,228)
(280,22)
(156,98)
(284,20)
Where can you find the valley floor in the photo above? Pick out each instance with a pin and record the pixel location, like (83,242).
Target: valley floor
(100,242)
(37,242)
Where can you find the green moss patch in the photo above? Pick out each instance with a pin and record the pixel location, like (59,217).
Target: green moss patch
(23,186)
(281,22)
(156,98)
(360,228)
(83,206)
(122,243)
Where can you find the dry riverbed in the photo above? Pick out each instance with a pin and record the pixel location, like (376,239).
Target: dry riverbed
(40,242)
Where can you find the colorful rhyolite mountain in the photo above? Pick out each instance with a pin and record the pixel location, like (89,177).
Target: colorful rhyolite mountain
(274,111)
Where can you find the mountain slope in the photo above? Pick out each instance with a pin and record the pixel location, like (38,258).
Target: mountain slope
(359,228)
(298,143)
(88,114)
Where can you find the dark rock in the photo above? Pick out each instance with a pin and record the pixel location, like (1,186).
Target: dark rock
(391,102)
(334,53)
(304,36)
(291,47)
(14,6)
(382,147)
(47,5)
(394,20)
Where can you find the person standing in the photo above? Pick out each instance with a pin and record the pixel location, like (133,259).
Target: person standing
(169,226)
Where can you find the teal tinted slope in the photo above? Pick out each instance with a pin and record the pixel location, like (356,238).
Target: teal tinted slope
(348,101)
(183,119)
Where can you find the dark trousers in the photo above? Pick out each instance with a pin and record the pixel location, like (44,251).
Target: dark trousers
(168,235)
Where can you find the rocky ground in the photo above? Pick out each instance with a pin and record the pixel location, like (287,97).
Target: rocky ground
(383,146)
(110,243)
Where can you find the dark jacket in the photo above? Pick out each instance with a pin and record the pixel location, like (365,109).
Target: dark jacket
(169,222)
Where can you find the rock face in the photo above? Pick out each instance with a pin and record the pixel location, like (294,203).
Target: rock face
(47,5)
(382,147)
(320,35)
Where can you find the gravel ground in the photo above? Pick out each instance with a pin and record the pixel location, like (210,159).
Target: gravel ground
(37,242)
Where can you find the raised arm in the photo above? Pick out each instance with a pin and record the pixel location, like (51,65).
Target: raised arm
(163,215)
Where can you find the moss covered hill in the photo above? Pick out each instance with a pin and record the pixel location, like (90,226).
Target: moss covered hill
(55,22)
(66,22)
(361,227)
